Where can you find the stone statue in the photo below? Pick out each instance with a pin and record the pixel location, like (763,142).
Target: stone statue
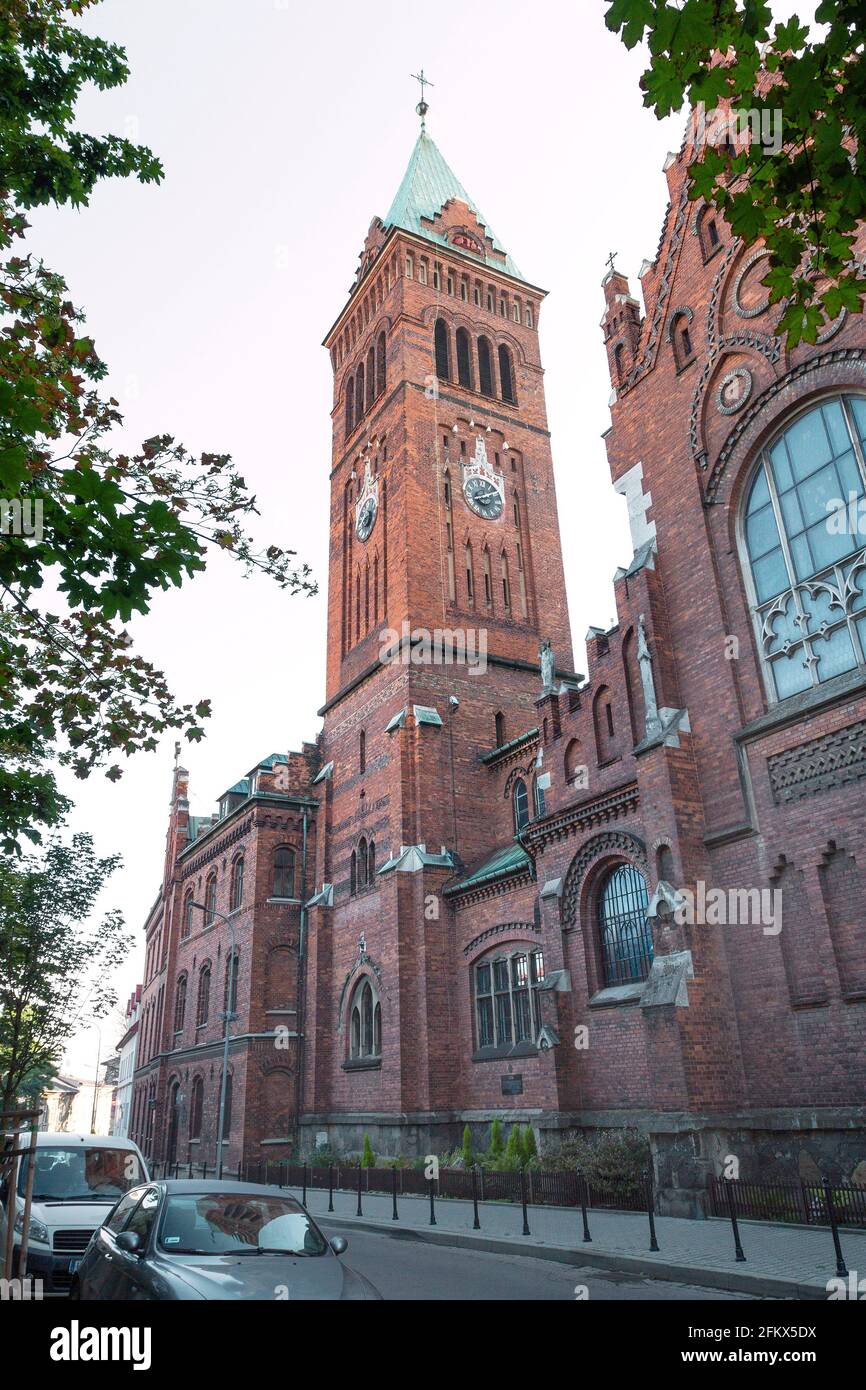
(653,722)
(548,666)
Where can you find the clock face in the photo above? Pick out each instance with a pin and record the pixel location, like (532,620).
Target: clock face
(484,498)
(366,519)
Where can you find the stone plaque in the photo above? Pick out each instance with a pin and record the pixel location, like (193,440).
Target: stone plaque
(512,1085)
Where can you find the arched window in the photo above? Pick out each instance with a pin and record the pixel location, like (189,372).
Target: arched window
(188,916)
(362,751)
(202,1012)
(210,894)
(499,722)
(520,803)
(805,555)
(371,375)
(470,578)
(708,232)
(506,374)
(441,353)
(626,937)
(576,771)
(464,359)
(237,893)
(527,317)
(507,1006)
(381,368)
(485,368)
(359,394)
(230,992)
(619,362)
(196,1107)
(681,338)
(353,873)
(350,405)
(362,864)
(365,1022)
(371,862)
(605,735)
(180,1004)
(284,872)
(538,799)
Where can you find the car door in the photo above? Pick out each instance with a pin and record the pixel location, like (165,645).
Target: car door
(100,1270)
(132,1268)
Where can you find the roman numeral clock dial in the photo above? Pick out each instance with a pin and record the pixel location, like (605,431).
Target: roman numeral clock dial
(368,505)
(483,486)
(484,498)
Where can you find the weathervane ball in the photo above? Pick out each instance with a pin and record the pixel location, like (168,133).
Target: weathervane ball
(422,108)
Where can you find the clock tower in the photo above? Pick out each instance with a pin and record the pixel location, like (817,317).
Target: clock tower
(445,578)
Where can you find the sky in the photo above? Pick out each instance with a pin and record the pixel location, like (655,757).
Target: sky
(284,128)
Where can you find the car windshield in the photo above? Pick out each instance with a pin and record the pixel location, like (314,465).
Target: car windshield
(237,1223)
(81,1173)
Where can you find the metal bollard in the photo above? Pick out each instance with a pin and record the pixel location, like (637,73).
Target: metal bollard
(729,1191)
(394,1216)
(476,1224)
(841,1270)
(587,1238)
(526,1230)
(330,1187)
(650,1206)
(432,1208)
(359,1211)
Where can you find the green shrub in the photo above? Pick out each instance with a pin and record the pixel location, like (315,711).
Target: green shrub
(530,1148)
(608,1155)
(495,1139)
(368,1158)
(514,1148)
(321,1158)
(468,1157)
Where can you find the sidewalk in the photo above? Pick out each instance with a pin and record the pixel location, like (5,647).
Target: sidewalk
(781,1261)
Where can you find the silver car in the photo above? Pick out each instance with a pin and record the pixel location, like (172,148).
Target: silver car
(182,1239)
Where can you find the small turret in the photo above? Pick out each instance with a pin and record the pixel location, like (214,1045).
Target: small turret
(621,325)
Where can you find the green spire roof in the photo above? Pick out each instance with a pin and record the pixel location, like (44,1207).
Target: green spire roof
(427,185)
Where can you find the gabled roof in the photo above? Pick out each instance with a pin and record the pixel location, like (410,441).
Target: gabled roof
(428,184)
(509,859)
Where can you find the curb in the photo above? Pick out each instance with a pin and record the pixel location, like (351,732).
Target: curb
(735,1281)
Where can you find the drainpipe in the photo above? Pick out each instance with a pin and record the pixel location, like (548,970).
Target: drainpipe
(302,980)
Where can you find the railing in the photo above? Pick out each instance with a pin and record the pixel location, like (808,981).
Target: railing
(542,1188)
(805,1203)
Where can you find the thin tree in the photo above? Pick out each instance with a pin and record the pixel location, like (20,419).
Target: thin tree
(56,958)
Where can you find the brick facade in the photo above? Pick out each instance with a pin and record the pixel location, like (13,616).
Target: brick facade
(672,755)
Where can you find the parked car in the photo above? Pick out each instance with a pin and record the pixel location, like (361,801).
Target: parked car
(77,1181)
(187,1239)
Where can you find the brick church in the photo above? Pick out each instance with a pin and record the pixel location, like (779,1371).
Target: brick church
(493,885)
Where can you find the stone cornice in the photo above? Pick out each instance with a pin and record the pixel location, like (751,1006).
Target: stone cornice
(586,815)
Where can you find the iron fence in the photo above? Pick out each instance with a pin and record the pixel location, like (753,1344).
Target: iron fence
(801,1202)
(542,1188)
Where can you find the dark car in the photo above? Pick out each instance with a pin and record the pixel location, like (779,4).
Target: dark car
(188,1240)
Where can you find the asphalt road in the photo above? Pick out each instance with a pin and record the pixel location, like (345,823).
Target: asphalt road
(405,1268)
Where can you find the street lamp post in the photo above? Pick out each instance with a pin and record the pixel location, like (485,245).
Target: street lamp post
(228,1015)
(96,1079)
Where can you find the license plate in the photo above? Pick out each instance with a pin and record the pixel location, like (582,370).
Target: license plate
(73,1265)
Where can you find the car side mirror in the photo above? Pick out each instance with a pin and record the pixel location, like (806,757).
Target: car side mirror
(339,1245)
(130,1241)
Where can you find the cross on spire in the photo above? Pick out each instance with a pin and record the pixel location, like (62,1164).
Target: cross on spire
(422,108)
(610,262)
